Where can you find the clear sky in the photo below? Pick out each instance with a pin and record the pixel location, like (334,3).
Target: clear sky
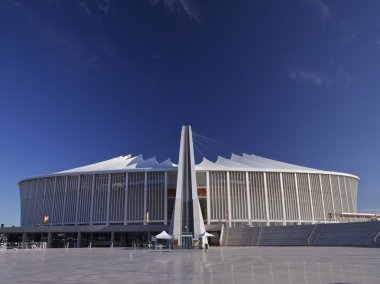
(83,81)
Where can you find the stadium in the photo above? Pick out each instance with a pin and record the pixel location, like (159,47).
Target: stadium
(127,199)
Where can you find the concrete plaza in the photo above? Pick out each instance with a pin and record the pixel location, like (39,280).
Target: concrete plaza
(218,265)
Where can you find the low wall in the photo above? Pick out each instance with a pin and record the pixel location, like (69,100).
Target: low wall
(360,234)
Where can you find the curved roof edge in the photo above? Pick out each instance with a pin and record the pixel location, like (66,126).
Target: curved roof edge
(60,174)
(223,164)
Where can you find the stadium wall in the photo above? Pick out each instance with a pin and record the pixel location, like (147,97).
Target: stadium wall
(233,198)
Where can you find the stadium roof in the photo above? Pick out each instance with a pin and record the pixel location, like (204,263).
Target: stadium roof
(123,163)
(250,162)
(246,162)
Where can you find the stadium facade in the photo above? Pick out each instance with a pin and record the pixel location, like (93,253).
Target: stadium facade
(130,194)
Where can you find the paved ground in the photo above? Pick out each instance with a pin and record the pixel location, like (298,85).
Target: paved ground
(218,265)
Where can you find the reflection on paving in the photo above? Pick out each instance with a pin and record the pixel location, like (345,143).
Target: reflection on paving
(218,265)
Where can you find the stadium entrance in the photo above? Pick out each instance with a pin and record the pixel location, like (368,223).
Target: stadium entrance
(187,240)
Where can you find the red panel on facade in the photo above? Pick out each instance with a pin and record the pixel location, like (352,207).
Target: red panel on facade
(201,192)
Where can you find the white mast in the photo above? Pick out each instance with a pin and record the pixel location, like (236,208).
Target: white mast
(187,216)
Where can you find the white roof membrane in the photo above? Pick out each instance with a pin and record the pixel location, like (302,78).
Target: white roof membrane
(246,162)
(122,163)
(250,162)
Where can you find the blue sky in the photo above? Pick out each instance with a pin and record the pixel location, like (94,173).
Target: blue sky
(83,81)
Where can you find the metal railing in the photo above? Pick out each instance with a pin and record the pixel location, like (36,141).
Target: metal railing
(313,233)
(258,239)
(23,245)
(376,237)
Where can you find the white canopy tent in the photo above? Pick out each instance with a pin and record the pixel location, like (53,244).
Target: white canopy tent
(206,234)
(163,236)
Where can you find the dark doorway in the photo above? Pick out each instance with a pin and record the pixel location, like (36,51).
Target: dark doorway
(187,241)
